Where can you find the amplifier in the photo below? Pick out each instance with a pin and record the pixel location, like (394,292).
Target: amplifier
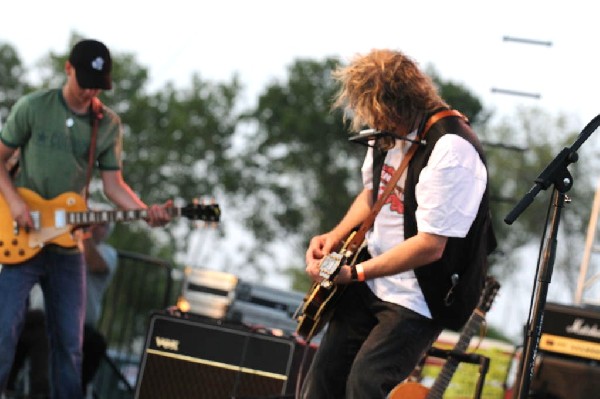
(571,330)
(201,358)
(208,292)
(560,377)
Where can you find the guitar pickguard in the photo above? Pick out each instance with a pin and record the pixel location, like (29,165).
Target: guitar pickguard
(37,238)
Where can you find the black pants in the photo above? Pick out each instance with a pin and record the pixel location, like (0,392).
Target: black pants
(369,347)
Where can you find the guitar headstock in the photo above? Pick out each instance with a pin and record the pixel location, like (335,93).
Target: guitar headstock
(488,294)
(200,211)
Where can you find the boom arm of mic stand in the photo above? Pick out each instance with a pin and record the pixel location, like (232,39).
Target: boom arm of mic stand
(556,172)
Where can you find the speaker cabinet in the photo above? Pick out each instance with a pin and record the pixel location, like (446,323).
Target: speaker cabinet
(198,358)
(559,377)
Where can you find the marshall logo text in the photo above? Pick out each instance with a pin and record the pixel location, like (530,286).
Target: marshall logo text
(580,328)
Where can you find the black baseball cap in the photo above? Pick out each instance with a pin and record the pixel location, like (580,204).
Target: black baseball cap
(92,63)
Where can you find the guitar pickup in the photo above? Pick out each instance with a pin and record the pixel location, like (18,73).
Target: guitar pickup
(60,218)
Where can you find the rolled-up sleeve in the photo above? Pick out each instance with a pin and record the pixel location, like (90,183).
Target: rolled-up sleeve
(450,188)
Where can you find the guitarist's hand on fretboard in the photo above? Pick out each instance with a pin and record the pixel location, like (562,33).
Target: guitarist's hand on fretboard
(159,215)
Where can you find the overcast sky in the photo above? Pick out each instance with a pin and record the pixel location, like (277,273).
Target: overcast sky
(258,39)
(463,40)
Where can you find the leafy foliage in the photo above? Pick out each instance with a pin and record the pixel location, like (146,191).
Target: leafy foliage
(541,138)
(12,79)
(296,155)
(284,168)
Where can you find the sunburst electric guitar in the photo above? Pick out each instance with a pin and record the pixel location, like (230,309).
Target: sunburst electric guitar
(317,306)
(414,390)
(57,218)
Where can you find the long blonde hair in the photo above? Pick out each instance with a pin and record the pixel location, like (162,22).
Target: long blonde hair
(385,90)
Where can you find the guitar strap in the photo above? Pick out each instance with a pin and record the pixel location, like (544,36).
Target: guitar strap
(95,116)
(359,237)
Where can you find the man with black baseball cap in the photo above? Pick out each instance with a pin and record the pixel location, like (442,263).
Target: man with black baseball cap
(92,63)
(54,129)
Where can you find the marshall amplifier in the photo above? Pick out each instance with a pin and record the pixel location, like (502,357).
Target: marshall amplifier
(566,365)
(571,330)
(201,358)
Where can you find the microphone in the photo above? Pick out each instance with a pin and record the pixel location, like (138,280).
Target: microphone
(366,135)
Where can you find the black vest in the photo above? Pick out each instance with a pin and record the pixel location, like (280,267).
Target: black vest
(451,286)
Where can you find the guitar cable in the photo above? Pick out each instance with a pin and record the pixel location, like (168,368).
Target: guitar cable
(300,376)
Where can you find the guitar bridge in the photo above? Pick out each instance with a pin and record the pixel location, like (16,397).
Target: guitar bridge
(35,216)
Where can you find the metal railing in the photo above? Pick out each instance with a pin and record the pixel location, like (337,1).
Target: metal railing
(141,285)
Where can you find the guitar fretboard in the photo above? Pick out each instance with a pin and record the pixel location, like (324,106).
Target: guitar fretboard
(443,379)
(202,212)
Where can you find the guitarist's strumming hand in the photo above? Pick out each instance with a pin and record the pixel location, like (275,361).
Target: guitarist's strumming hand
(320,246)
(21,214)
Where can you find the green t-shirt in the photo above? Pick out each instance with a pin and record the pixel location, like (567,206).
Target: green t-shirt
(55,143)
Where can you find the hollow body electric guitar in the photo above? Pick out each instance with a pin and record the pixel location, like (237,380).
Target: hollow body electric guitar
(414,390)
(319,302)
(57,218)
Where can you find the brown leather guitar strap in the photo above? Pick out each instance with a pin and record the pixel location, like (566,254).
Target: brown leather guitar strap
(95,116)
(360,234)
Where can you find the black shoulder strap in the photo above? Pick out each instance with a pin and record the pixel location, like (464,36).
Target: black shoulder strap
(424,126)
(378,159)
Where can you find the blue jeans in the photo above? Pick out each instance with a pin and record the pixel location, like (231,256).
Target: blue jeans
(370,346)
(62,279)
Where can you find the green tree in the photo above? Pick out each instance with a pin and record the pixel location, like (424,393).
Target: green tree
(460,97)
(299,174)
(12,79)
(513,174)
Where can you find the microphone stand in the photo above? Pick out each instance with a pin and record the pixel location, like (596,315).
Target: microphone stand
(555,173)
